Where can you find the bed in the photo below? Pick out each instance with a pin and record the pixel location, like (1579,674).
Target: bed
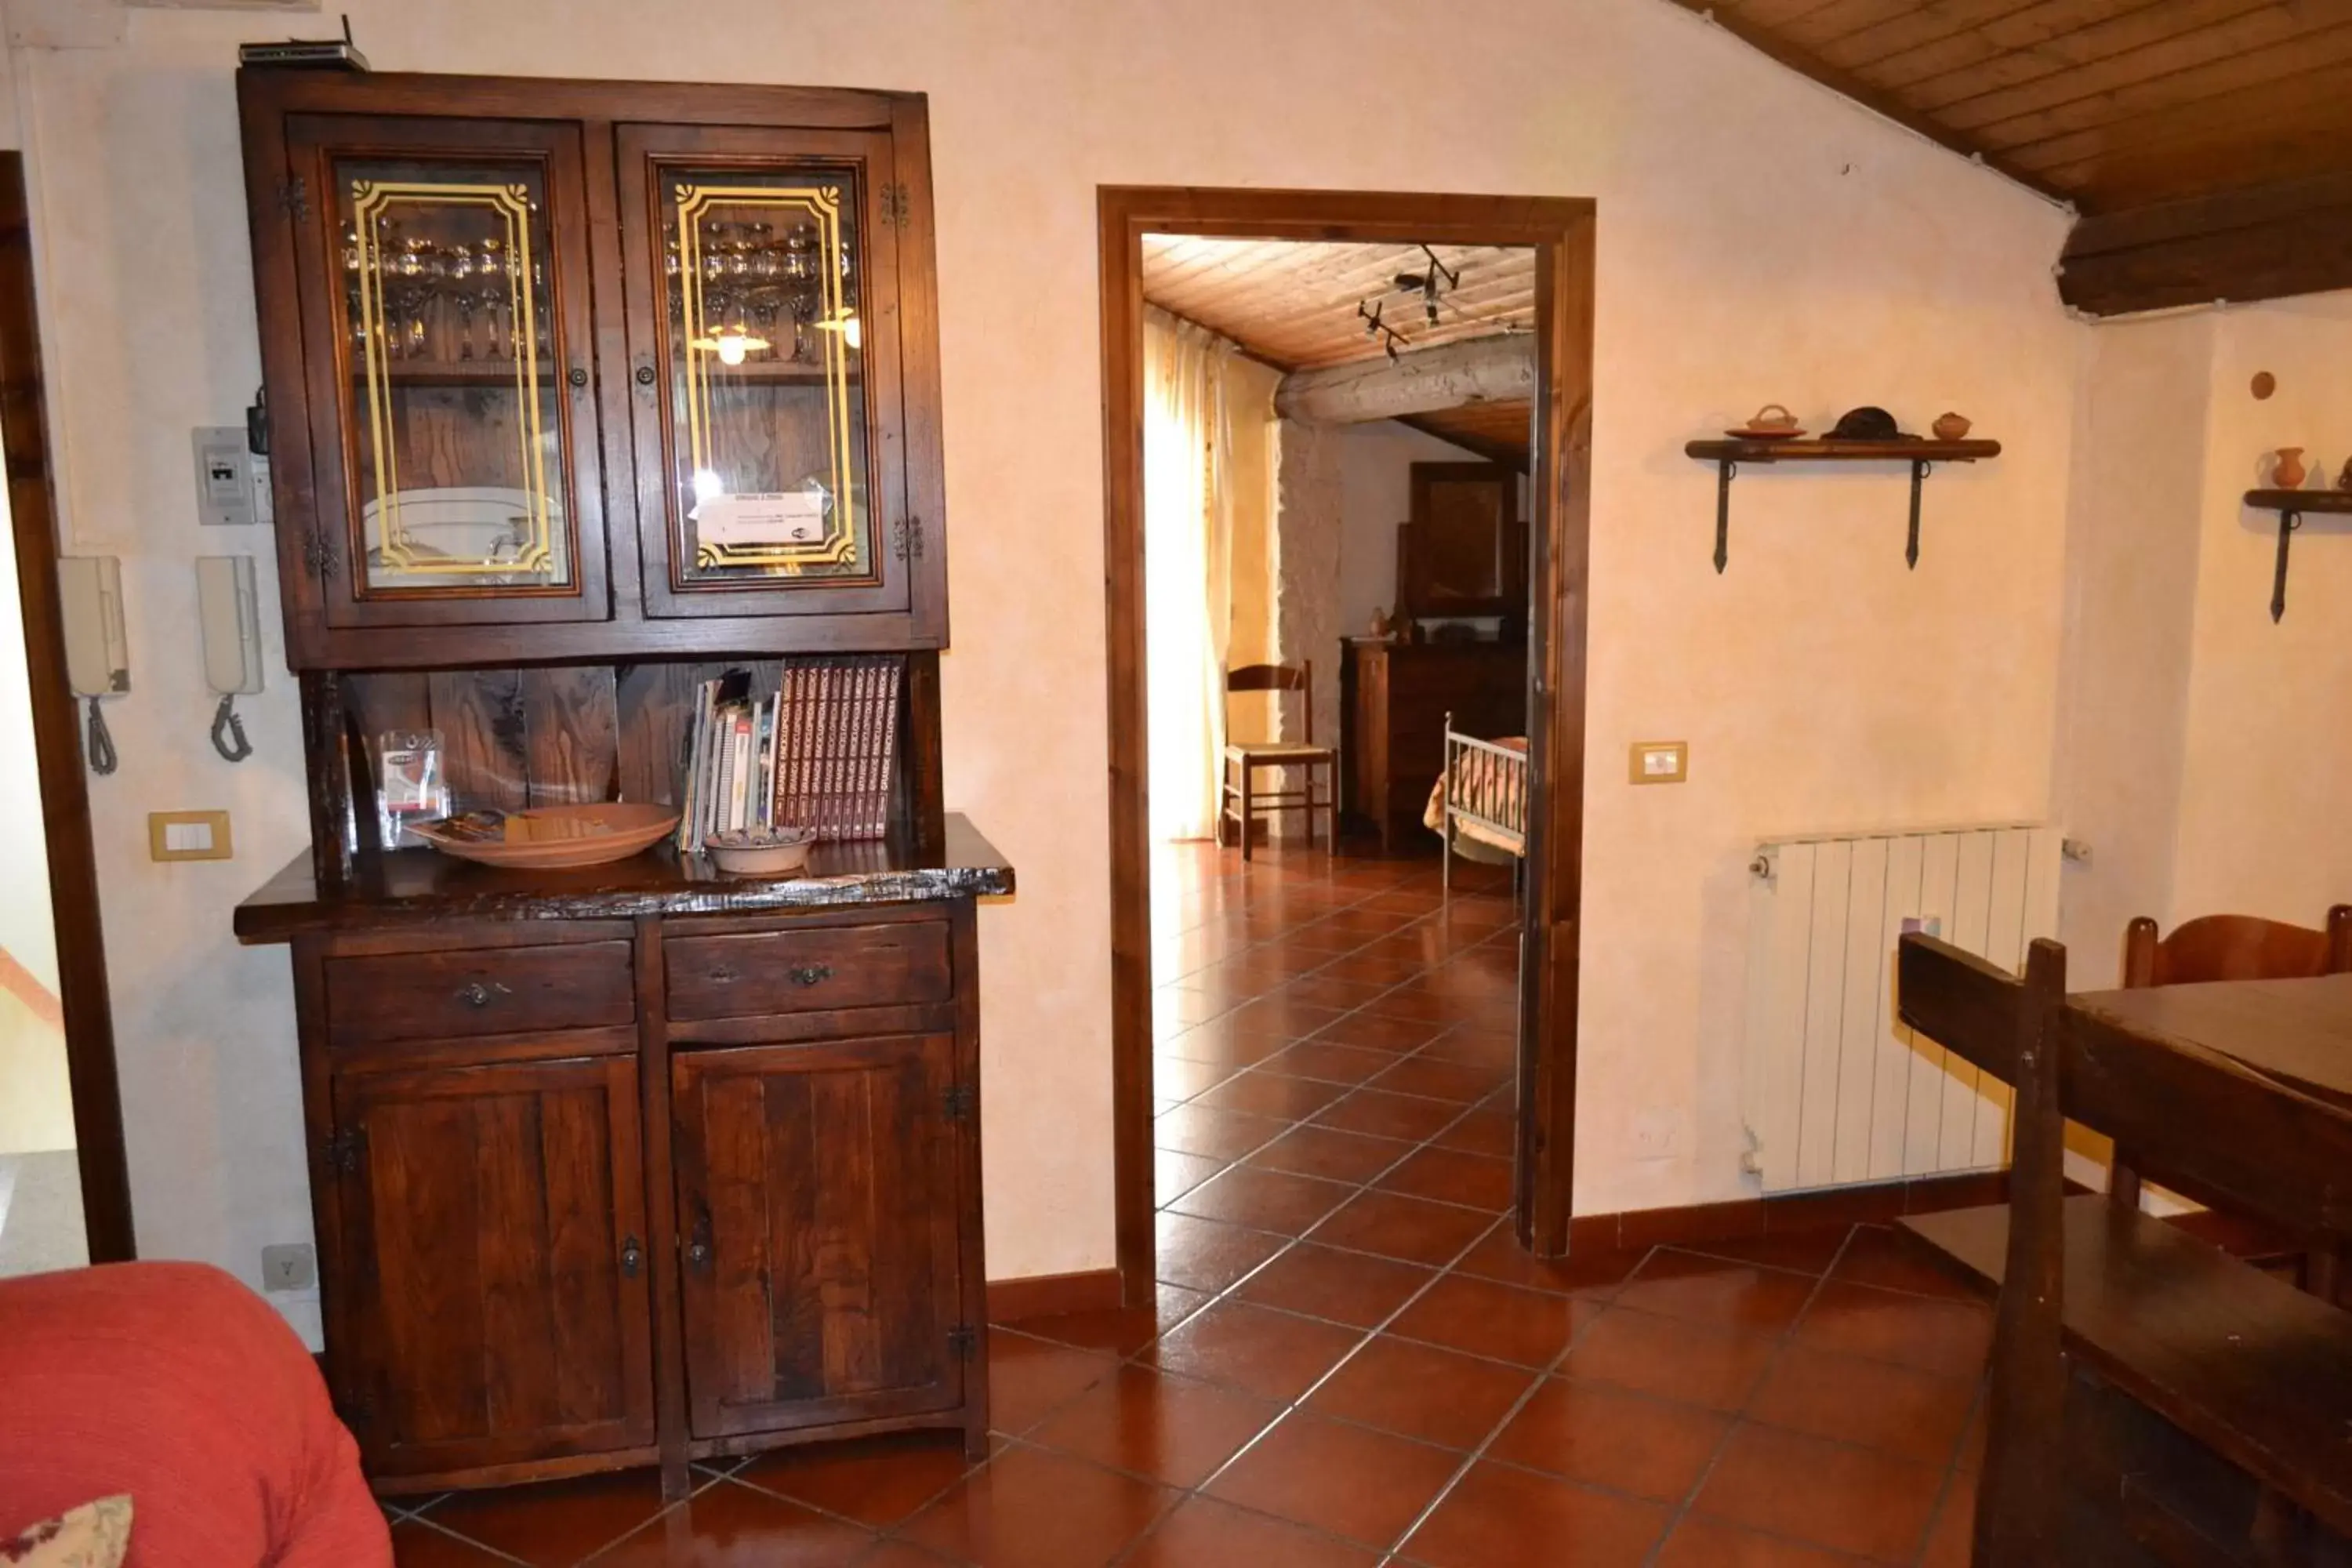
(1479,806)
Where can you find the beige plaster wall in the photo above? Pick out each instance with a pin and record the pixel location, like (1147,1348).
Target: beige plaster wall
(2132,553)
(1819,683)
(2267,769)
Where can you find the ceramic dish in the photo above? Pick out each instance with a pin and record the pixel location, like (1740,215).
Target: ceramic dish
(552,837)
(774,852)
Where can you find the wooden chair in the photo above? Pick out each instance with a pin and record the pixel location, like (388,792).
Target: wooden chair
(2234,947)
(2151,1399)
(1240,801)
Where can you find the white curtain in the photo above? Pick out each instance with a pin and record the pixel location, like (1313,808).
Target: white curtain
(1187,569)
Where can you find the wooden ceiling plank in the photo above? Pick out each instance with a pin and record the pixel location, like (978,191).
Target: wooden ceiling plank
(2219,161)
(1916,27)
(1767,13)
(1886,105)
(2140,116)
(2036,60)
(1475,439)
(2247,50)
(1817,31)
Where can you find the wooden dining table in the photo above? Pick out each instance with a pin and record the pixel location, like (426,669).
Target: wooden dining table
(2296,1032)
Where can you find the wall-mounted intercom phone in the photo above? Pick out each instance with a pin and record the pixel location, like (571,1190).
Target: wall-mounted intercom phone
(98,653)
(230,616)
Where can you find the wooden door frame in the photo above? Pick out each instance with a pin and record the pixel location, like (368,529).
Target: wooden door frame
(1560,232)
(56,742)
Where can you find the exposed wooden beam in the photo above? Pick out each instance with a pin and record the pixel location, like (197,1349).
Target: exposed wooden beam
(2267,243)
(1483,370)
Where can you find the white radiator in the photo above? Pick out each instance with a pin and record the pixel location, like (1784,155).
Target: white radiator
(1836,1091)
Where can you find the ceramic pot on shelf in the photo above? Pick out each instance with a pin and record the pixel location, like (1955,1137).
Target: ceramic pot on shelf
(2344,479)
(2287,470)
(1950,427)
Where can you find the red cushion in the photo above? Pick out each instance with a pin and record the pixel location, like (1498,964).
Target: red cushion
(177,1384)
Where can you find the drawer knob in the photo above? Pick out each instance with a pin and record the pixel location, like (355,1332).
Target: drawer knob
(720,974)
(808,974)
(633,1258)
(474,994)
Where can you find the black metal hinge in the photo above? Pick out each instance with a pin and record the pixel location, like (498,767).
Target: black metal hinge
(318,553)
(343,1151)
(294,199)
(908,534)
(960,1102)
(894,205)
(964,1341)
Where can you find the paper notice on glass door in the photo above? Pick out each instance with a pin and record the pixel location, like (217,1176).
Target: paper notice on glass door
(761,516)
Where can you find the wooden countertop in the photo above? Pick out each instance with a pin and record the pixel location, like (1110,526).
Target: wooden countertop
(425,885)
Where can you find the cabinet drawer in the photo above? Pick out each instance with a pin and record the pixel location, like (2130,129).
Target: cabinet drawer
(818,968)
(515,989)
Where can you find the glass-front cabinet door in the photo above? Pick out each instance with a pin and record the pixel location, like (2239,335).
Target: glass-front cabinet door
(454,436)
(761,280)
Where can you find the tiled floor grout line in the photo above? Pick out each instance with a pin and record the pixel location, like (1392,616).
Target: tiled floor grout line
(1681,1510)
(1952,1472)
(1298,1404)
(1470,1460)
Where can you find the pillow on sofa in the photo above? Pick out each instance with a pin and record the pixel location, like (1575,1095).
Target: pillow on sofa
(94,1535)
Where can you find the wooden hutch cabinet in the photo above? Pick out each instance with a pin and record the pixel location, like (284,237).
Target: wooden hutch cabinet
(582,397)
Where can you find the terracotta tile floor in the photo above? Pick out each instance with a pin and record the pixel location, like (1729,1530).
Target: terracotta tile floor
(1349,1362)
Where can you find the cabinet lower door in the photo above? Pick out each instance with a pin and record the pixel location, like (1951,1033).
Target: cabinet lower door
(817,1212)
(489,1305)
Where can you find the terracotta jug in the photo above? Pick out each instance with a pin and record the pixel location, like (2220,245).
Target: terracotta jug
(2287,473)
(1949,427)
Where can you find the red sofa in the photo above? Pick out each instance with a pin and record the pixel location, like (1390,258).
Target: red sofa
(176,1385)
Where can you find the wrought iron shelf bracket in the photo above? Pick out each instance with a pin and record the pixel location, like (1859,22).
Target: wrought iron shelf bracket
(1921,456)
(2292,506)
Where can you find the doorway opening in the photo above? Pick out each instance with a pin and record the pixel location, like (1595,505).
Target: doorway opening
(65,1193)
(1374,1036)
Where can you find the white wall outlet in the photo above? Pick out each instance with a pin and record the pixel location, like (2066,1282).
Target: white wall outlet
(289,1266)
(1659,762)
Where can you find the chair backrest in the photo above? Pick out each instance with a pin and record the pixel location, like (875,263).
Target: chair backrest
(2236,947)
(1279,678)
(2278,1152)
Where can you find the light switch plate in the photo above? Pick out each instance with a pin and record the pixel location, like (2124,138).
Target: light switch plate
(289,1266)
(187,835)
(1659,762)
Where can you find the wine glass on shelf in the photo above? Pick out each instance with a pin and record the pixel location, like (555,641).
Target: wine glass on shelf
(457,271)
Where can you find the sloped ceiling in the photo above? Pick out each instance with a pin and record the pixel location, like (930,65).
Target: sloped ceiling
(2207,143)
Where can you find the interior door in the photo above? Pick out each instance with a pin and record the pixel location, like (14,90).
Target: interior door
(817,1201)
(496,1281)
(762,271)
(442,270)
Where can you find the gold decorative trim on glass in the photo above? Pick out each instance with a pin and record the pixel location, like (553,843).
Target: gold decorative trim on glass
(707,339)
(373,201)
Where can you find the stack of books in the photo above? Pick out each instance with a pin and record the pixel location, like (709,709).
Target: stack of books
(817,753)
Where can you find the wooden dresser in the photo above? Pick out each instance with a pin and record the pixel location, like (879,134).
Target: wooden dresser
(1394,699)
(586,400)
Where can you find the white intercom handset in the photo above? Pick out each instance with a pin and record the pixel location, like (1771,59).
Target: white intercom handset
(97,654)
(231,620)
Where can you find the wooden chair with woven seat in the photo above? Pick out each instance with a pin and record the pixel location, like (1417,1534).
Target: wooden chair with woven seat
(1240,801)
(2234,947)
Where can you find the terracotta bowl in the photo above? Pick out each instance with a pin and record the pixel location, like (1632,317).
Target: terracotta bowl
(555,838)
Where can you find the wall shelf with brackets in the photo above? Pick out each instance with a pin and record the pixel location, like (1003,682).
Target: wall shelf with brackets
(2290,505)
(1922,455)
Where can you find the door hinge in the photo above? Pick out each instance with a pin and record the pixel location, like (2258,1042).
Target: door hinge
(318,553)
(960,1100)
(895,205)
(343,1151)
(964,1341)
(294,198)
(909,532)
